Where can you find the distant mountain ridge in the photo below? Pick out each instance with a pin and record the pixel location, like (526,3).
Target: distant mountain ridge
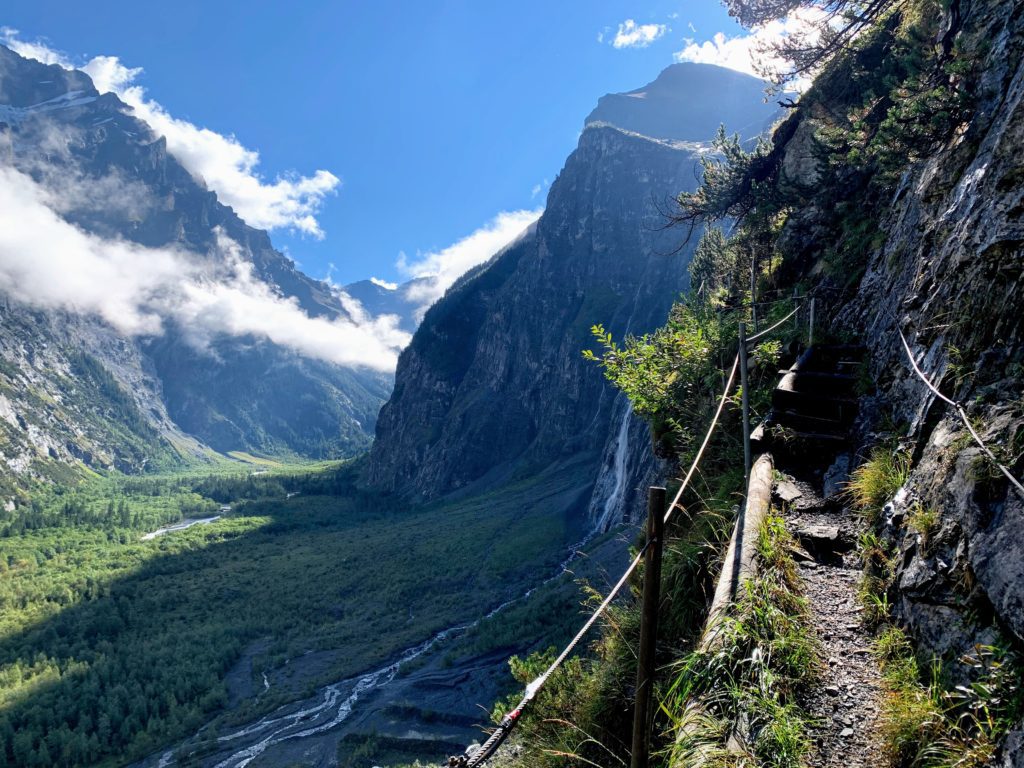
(378,299)
(239,393)
(493,386)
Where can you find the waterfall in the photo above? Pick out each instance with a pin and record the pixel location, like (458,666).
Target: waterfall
(609,502)
(610,490)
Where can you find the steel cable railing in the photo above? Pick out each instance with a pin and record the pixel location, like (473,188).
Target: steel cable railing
(766,331)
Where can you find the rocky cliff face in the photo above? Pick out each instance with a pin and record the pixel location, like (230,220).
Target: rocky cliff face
(75,389)
(493,386)
(948,270)
(950,275)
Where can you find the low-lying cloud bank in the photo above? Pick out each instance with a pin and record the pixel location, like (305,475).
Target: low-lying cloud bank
(222,162)
(45,261)
(49,263)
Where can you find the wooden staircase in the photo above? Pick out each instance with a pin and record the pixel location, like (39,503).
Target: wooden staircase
(813,406)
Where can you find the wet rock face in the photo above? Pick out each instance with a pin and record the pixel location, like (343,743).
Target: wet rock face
(950,275)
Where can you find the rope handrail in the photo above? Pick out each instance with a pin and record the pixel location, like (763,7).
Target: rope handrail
(498,736)
(769,303)
(960,412)
(758,335)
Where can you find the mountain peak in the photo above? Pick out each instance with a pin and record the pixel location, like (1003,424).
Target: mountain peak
(674,105)
(27,83)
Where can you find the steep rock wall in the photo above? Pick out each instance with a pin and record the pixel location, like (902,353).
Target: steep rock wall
(118,181)
(494,385)
(950,274)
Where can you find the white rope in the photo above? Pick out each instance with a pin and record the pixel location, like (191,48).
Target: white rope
(961,413)
(758,335)
(498,736)
(707,438)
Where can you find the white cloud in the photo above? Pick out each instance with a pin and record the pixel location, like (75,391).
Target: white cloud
(633,35)
(226,166)
(751,53)
(47,262)
(384,284)
(38,50)
(448,264)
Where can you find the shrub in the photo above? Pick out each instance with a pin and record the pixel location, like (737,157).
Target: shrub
(925,725)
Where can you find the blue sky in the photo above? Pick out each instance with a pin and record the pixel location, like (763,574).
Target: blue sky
(434,117)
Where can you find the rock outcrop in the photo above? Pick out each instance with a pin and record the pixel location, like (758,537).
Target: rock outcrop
(493,386)
(950,275)
(947,269)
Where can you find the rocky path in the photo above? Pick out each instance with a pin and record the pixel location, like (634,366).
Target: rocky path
(845,704)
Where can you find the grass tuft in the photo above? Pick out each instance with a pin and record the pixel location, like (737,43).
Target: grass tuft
(923,724)
(876,481)
(763,656)
(924,521)
(876,579)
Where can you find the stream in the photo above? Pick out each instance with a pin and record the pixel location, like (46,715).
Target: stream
(188,522)
(331,705)
(297,731)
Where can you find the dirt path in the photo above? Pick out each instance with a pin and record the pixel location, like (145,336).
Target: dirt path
(845,704)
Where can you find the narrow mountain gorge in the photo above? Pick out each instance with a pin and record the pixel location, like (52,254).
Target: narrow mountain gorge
(493,386)
(506,440)
(231,537)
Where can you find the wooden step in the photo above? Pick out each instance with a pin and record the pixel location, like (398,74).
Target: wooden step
(827,358)
(815,437)
(841,409)
(795,420)
(818,382)
(796,444)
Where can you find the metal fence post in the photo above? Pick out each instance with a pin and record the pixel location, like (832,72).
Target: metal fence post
(810,326)
(648,627)
(745,400)
(753,287)
(796,317)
